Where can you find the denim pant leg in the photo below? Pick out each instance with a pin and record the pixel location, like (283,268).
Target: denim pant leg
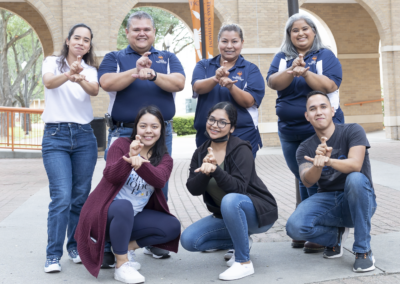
(83,161)
(168,142)
(207,233)
(317,219)
(290,143)
(359,206)
(241,220)
(56,146)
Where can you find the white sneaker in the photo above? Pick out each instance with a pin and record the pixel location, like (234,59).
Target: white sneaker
(231,252)
(52,265)
(74,256)
(237,271)
(126,273)
(132,257)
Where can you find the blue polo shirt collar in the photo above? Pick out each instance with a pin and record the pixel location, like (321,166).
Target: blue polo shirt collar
(311,54)
(240,62)
(129,50)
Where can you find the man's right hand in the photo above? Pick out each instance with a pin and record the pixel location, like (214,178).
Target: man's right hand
(143,62)
(323,148)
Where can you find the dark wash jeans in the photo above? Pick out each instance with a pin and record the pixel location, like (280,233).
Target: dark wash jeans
(317,219)
(69,156)
(127,132)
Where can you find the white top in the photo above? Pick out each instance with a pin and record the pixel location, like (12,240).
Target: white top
(137,191)
(69,102)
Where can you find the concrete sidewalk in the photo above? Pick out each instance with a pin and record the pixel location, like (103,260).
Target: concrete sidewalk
(23,233)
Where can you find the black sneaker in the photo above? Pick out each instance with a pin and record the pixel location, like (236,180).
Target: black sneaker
(156,252)
(108,260)
(337,250)
(364,262)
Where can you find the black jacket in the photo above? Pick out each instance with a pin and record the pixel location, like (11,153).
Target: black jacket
(239,176)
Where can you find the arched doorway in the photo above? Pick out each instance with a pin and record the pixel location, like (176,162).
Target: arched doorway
(35,20)
(20,61)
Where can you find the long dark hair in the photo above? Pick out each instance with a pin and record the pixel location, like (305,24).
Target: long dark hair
(89,57)
(230,110)
(159,149)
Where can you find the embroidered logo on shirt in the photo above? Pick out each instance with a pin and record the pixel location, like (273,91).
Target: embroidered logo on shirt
(239,77)
(314,61)
(161,60)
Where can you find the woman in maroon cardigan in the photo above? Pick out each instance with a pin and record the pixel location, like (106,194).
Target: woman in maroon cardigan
(128,207)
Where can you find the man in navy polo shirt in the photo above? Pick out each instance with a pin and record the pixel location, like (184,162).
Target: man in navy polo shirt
(138,76)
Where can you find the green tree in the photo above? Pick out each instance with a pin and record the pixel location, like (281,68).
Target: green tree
(166,25)
(20,57)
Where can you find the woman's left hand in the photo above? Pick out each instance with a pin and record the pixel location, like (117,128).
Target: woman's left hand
(77,78)
(135,161)
(206,168)
(226,82)
(210,158)
(76,66)
(299,71)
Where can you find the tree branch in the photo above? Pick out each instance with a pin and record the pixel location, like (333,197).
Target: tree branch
(179,50)
(28,66)
(16,38)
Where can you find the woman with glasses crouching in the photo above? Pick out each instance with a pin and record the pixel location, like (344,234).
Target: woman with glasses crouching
(223,171)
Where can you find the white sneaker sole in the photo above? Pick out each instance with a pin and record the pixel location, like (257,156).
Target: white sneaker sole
(230,278)
(358,270)
(130,281)
(211,250)
(52,268)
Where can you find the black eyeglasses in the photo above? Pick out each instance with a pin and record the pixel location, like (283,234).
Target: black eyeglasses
(220,123)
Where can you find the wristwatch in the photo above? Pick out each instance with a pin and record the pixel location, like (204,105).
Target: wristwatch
(155,77)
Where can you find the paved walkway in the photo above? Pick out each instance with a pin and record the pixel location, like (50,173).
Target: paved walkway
(24,200)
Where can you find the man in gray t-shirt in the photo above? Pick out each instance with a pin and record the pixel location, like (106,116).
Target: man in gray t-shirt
(336,159)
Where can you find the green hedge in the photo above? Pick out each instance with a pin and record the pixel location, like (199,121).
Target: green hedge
(184,125)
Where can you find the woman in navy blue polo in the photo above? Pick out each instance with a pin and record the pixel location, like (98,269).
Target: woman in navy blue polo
(229,77)
(304,64)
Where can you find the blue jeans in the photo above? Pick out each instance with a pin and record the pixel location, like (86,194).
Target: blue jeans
(317,219)
(69,156)
(290,143)
(127,132)
(233,231)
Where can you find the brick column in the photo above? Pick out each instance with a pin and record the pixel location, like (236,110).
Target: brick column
(263,24)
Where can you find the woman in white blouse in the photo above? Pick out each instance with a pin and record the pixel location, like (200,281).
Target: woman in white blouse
(69,146)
